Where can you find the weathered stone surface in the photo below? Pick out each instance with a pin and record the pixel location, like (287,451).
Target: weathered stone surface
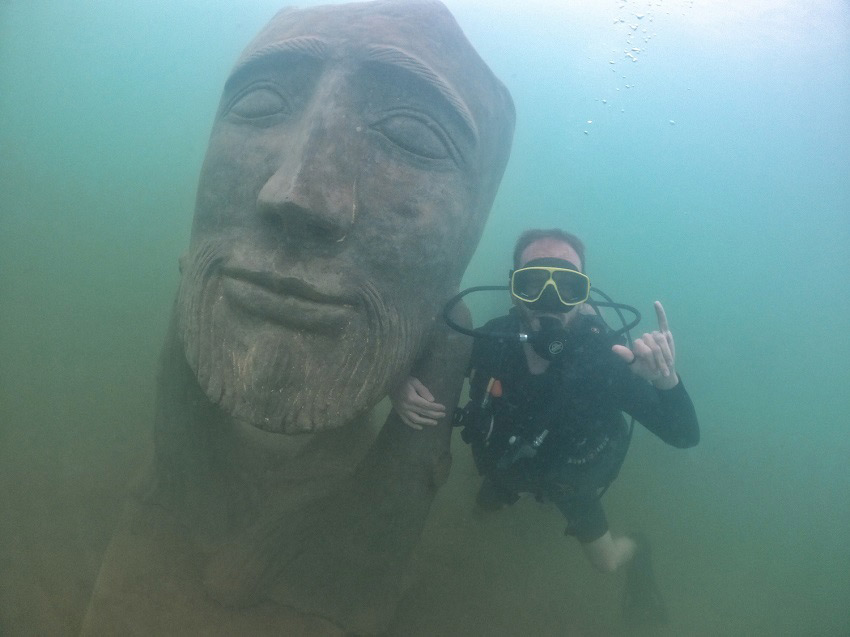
(352,163)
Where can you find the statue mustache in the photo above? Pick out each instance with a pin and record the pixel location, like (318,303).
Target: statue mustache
(210,260)
(281,380)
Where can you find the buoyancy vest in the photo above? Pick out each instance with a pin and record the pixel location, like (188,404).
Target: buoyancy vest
(559,429)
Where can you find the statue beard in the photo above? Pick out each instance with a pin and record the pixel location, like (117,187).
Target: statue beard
(284,380)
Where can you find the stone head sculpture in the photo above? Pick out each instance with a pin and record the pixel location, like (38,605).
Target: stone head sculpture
(353,161)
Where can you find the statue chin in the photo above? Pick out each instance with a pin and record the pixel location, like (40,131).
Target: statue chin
(288,365)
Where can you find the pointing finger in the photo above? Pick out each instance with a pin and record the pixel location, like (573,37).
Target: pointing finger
(664,327)
(661,315)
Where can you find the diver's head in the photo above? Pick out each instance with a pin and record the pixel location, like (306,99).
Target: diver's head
(546,243)
(548,281)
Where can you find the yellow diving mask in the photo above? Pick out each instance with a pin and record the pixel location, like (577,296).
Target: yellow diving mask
(550,285)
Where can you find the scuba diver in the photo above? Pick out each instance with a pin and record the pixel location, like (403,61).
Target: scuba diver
(549,383)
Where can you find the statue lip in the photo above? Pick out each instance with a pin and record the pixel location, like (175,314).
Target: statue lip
(286,300)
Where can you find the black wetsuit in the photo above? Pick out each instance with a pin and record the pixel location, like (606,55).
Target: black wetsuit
(578,401)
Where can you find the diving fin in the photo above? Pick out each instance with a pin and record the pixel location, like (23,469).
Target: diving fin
(642,601)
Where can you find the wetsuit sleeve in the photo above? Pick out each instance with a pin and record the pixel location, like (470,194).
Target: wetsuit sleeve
(668,413)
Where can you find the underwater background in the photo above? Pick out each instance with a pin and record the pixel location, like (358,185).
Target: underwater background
(700,148)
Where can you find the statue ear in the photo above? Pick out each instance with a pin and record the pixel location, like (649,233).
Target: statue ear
(181,262)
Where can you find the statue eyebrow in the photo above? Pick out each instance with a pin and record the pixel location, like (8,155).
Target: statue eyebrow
(308,46)
(397,58)
(317,48)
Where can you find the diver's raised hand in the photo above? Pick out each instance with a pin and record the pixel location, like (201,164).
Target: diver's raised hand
(653,355)
(415,404)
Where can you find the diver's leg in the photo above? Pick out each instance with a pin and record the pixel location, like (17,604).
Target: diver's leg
(642,601)
(494,494)
(586,521)
(607,553)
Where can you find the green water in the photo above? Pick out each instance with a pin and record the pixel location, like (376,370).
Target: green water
(714,175)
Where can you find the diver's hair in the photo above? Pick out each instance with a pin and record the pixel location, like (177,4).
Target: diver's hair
(530,236)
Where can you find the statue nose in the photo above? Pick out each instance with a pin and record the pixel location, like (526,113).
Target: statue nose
(312,194)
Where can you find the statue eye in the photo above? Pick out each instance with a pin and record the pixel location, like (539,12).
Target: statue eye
(259,102)
(417,134)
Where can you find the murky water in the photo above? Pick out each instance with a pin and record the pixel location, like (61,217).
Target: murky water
(699,148)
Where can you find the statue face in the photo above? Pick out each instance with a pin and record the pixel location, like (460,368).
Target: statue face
(353,160)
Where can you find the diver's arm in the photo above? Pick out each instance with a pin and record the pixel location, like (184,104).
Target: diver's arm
(415,404)
(436,379)
(662,404)
(673,417)
(668,413)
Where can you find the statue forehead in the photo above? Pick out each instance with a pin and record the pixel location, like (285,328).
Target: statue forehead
(420,26)
(422,41)
(425,31)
